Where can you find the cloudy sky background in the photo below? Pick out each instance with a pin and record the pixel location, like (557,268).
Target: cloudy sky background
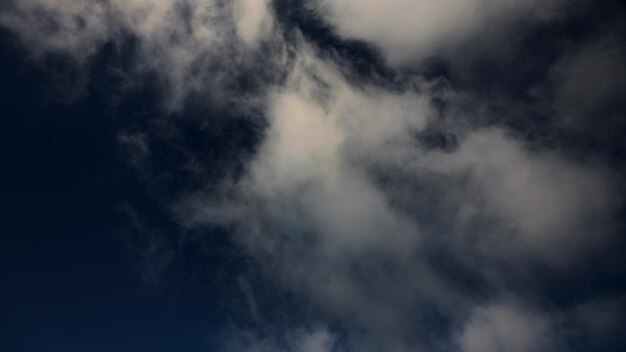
(313,176)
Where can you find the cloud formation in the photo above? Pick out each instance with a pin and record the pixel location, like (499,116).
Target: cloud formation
(314,209)
(401,212)
(410,30)
(183,42)
(502,327)
(252,19)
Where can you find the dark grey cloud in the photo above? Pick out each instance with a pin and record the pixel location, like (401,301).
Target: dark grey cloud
(590,78)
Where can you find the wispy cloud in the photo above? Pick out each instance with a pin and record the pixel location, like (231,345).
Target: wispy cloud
(405,211)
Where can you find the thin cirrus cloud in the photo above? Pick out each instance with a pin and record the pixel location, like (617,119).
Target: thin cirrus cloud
(400,218)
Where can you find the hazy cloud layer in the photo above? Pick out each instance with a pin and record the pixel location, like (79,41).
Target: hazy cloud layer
(418,211)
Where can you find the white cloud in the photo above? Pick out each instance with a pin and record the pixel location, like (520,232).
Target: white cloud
(253,20)
(77,28)
(305,162)
(546,204)
(183,41)
(506,327)
(407,30)
(317,341)
(311,210)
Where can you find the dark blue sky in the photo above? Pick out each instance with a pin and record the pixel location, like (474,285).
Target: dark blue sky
(71,277)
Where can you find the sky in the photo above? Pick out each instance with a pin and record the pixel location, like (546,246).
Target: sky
(312,176)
